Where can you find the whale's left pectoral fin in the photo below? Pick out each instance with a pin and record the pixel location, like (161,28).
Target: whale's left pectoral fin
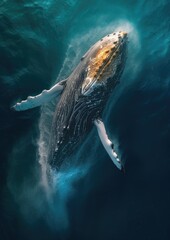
(40,99)
(108,145)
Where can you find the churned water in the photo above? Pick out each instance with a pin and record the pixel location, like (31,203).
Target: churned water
(40,43)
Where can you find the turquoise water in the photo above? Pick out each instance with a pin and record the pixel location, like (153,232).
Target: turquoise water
(40,43)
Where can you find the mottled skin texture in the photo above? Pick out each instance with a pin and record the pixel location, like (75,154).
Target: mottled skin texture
(85,95)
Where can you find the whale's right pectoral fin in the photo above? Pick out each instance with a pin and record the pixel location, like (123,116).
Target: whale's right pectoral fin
(108,145)
(40,99)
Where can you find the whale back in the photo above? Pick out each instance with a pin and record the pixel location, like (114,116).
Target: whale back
(75,114)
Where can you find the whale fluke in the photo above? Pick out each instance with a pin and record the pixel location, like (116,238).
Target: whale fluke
(40,99)
(108,145)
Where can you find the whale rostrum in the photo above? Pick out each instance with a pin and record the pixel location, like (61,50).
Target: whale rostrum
(82,98)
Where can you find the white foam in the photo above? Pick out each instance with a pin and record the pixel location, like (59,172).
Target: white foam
(73,55)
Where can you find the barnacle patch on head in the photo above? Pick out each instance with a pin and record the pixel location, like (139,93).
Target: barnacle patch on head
(101,63)
(101,60)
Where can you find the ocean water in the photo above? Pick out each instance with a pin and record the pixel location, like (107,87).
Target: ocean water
(40,43)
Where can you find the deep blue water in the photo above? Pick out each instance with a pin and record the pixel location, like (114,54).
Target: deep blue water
(41,41)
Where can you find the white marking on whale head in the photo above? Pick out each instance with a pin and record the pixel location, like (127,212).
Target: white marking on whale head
(103,60)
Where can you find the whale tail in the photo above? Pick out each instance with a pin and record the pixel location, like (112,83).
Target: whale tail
(42,98)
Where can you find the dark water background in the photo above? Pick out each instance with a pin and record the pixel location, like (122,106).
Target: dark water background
(42,40)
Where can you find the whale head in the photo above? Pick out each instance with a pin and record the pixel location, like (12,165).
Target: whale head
(105,61)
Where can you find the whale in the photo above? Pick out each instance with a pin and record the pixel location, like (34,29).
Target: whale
(82,98)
